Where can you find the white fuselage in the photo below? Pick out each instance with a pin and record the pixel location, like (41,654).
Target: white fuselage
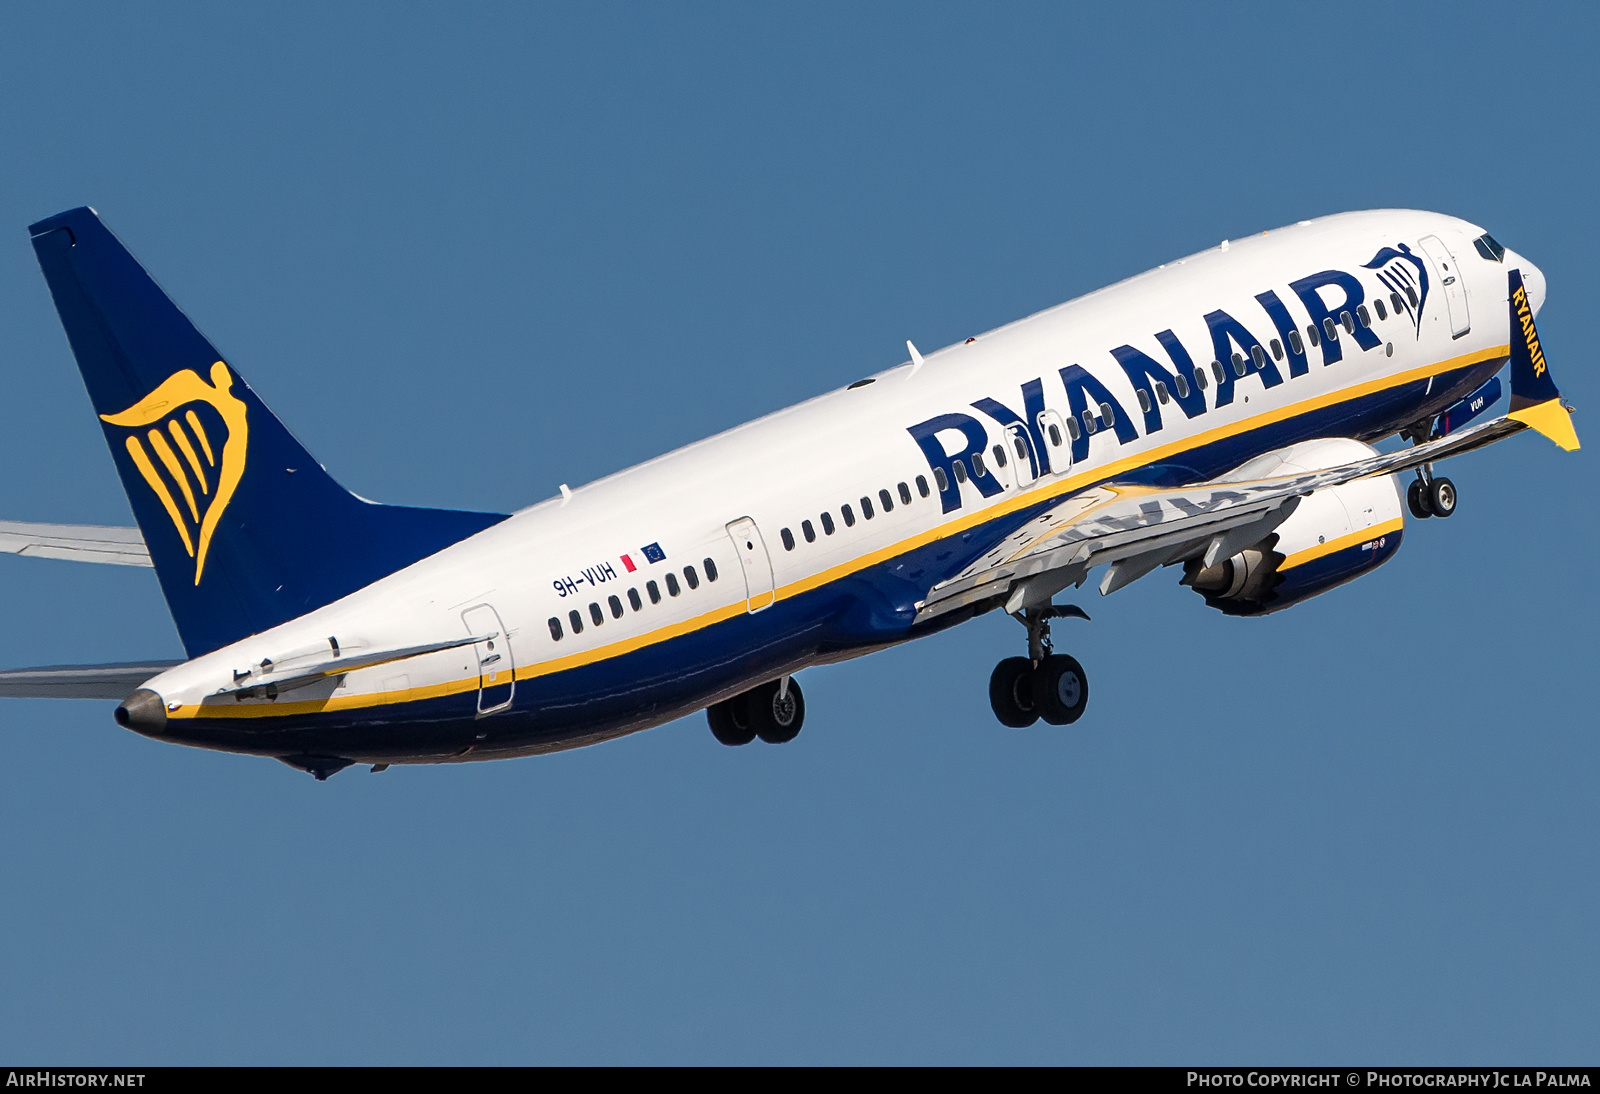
(559,557)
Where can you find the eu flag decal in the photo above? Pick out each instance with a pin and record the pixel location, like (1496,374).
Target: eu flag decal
(653,552)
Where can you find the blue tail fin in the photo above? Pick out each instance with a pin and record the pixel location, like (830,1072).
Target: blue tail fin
(246,529)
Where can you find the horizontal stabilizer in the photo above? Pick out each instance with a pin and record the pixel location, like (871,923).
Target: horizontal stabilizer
(80,681)
(74,542)
(299,673)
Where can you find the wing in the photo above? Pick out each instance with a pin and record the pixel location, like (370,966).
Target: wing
(78,542)
(1135,529)
(79,681)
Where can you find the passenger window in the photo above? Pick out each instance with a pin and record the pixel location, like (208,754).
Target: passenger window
(788,539)
(1144,399)
(1259,356)
(1218,371)
(905,494)
(1182,385)
(827,524)
(654,591)
(1395,303)
(922,485)
(1361,314)
(555,629)
(866,507)
(961,471)
(1411,295)
(691,577)
(886,501)
(941,478)
(1327,325)
(1349,323)
(672,585)
(809,532)
(1072,428)
(999,455)
(576,620)
(1200,378)
(1106,415)
(1022,449)
(711,569)
(1295,344)
(1377,302)
(977,466)
(633,600)
(1277,350)
(1088,422)
(849,514)
(616,607)
(596,614)
(1311,333)
(1238,365)
(1161,393)
(1055,437)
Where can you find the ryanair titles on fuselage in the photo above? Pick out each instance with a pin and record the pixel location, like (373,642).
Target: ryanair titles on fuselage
(1236,352)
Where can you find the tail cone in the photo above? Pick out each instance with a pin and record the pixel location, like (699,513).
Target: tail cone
(143,712)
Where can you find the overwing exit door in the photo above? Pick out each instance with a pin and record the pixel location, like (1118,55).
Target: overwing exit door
(759,586)
(1455,293)
(1022,458)
(496,670)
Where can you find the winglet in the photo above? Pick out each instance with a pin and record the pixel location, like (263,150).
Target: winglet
(1535,402)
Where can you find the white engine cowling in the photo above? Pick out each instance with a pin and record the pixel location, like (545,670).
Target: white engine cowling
(1334,536)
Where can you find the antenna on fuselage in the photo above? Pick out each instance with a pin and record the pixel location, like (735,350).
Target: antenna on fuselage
(916,359)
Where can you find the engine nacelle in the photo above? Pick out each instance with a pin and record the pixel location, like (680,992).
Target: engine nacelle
(1334,536)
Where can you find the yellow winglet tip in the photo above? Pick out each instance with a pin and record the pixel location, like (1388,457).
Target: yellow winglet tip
(1551,419)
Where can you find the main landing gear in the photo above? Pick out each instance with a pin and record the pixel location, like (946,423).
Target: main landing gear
(1046,685)
(1428,496)
(774,712)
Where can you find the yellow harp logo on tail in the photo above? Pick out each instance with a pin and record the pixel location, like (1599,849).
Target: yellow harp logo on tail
(204,477)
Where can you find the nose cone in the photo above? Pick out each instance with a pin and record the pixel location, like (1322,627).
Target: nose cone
(1532,279)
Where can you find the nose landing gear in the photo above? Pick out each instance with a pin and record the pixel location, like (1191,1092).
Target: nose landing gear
(1046,685)
(1428,496)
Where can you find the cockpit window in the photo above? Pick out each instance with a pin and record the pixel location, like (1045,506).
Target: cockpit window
(1489,248)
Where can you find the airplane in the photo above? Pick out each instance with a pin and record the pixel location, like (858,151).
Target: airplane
(1216,416)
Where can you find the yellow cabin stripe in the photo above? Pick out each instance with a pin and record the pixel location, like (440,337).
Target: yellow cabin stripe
(1022,500)
(1354,539)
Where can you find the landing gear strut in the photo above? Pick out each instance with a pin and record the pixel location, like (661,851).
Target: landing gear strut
(1428,496)
(774,712)
(1046,685)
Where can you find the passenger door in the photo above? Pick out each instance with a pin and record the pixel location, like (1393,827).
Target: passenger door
(759,586)
(496,670)
(1455,293)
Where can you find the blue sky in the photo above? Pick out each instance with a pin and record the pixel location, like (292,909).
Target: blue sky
(471,252)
